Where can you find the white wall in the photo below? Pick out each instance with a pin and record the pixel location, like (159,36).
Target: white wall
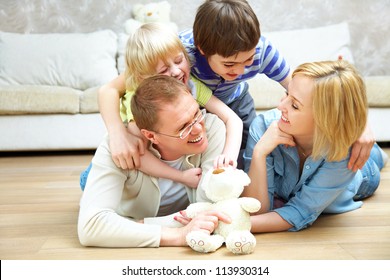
(369,21)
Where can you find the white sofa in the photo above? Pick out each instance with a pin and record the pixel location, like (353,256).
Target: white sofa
(49,83)
(48,89)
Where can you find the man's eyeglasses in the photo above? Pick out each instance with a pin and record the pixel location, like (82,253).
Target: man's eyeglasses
(187,130)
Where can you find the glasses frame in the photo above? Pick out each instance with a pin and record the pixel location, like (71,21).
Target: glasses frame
(183,133)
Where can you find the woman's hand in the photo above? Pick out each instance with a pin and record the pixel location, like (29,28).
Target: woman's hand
(271,139)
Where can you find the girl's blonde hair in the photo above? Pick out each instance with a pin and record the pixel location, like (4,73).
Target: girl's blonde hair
(339,105)
(150,43)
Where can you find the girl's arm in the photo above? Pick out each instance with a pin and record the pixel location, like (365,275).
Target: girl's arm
(234,129)
(154,167)
(125,150)
(151,165)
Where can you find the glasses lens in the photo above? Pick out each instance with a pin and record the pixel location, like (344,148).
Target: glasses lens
(187,130)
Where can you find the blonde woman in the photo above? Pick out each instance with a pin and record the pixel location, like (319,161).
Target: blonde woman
(297,155)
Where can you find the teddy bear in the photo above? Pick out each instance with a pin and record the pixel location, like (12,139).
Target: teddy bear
(150,12)
(223,187)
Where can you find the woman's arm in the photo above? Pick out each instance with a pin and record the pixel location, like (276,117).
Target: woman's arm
(268,222)
(258,188)
(266,143)
(234,129)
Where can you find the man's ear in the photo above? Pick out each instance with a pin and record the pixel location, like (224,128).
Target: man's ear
(150,135)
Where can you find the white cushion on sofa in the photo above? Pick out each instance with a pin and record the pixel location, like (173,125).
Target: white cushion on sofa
(75,60)
(122,42)
(313,44)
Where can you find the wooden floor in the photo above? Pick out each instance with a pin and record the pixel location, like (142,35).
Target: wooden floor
(39,196)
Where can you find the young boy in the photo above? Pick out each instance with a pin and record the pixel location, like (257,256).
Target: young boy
(226,49)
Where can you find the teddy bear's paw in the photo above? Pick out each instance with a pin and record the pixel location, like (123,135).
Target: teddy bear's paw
(202,242)
(241,242)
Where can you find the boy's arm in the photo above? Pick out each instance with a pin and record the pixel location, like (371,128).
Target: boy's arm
(234,129)
(125,149)
(286,81)
(361,149)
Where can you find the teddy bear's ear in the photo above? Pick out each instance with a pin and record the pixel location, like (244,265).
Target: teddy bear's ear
(243,178)
(165,6)
(136,9)
(164,9)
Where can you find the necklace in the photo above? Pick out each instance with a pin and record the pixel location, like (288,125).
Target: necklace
(301,151)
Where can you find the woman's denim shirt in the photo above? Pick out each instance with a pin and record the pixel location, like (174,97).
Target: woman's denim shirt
(323,187)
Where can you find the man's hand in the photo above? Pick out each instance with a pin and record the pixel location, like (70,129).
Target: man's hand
(206,222)
(361,150)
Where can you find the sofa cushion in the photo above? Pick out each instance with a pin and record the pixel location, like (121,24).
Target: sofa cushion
(76,60)
(378,91)
(122,42)
(89,101)
(313,44)
(266,93)
(33,99)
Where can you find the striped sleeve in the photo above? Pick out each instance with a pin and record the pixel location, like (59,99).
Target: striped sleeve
(273,63)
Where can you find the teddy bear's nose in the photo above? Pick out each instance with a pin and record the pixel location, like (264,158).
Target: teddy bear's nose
(218,171)
(149,14)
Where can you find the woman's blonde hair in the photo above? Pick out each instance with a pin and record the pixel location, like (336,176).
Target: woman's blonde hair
(339,106)
(150,43)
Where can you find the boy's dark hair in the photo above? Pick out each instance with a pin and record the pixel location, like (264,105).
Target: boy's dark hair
(226,27)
